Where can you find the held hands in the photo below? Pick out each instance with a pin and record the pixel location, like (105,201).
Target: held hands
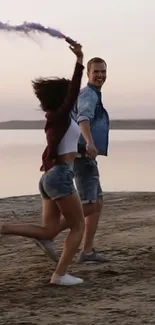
(91,149)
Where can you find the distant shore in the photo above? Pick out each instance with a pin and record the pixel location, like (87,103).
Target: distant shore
(130,124)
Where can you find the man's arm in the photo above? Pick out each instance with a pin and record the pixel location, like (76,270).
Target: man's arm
(86,107)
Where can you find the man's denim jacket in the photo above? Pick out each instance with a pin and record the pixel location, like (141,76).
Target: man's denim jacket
(89,107)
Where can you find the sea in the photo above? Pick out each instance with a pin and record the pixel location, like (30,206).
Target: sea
(130,165)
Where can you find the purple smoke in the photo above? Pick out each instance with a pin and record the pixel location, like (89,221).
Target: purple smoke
(31,27)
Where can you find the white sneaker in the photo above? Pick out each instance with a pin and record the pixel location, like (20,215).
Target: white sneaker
(65,280)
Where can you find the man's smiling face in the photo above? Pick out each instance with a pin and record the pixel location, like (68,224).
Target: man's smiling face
(97,74)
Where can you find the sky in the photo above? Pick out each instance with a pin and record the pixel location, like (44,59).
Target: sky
(120,31)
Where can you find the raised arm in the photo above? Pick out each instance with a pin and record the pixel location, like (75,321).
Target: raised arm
(75,84)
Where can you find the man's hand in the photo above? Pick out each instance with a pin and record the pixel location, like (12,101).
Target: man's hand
(90,146)
(91,149)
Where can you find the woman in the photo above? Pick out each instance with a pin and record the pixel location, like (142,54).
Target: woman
(57,97)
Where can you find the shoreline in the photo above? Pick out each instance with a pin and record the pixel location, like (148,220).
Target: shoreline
(115,124)
(113,194)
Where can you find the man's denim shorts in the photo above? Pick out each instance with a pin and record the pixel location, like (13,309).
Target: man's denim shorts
(57,182)
(87,181)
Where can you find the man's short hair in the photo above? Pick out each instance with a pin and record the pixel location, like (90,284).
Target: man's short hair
(94,60)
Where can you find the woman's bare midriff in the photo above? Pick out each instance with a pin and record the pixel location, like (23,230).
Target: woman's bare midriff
(67,158)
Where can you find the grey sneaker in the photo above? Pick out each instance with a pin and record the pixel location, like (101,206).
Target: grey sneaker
(47,247)
(92,258)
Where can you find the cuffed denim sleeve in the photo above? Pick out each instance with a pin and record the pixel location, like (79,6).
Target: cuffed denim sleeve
(86,105)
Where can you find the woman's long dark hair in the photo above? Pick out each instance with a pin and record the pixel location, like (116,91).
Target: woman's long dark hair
(50,92)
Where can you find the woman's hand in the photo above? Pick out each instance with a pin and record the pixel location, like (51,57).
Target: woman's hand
(76,48)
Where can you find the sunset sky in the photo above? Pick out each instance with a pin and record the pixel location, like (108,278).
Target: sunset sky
(120,31)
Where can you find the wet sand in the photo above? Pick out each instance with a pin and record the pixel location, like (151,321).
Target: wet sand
(121,292)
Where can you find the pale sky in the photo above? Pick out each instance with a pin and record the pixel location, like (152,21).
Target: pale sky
(120,31)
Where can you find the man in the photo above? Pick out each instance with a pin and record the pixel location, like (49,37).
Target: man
(94,123)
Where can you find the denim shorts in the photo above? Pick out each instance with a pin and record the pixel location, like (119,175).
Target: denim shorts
(57,182)
(87,179)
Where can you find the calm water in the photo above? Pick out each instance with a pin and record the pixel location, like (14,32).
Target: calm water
(130,165)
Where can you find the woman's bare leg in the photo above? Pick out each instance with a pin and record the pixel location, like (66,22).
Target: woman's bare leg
(71,208)
(51,217)
(50,212)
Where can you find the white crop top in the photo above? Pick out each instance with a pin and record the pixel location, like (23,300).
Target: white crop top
(69,141)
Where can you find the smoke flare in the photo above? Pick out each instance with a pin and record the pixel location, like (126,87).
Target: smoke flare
(29,27)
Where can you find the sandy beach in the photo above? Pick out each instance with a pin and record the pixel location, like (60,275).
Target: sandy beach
(121,292)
